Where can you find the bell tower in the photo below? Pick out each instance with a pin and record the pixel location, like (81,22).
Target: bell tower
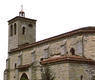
(22,31)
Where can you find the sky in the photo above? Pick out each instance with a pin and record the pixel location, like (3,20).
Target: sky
(53,17)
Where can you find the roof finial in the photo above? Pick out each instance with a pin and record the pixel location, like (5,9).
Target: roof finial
(22,13)
(21,7)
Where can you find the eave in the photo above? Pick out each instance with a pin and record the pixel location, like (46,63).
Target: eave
(67,59)
(23,67)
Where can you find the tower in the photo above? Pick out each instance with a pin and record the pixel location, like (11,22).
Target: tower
(22,31)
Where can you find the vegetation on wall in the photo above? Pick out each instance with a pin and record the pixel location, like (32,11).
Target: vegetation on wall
(47,74)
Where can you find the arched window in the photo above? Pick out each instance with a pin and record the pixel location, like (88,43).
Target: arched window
(23,30)
(72,50)
(24,77)
(11,30)
(15,28)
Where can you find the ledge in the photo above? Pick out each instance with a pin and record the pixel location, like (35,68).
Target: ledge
(72,58)
(21,67)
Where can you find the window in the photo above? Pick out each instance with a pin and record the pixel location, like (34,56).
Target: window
(11,30)
(72,50)
(15,28)
(23,30)
(30,25)
(15,66)
(33,56)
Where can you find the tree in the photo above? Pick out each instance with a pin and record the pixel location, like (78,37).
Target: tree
(47,74)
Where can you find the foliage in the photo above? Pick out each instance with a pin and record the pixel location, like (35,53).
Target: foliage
(47,74)
(23,78)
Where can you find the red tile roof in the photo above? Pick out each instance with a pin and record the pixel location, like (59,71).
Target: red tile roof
(72,58)
(23,66)
(68,34)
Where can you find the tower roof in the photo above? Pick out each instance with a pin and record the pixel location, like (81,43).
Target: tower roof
(20,18)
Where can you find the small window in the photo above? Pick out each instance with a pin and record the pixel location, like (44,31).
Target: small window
(72,50)
(30,25)
(11,30)
(15,65)
(23,30)
(15,28)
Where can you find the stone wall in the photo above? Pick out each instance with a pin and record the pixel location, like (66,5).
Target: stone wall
(89,46)
(18,38)
(67,71)
(76,70)
(61,71)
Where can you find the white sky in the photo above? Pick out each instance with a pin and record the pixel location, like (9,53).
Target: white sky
(53,18)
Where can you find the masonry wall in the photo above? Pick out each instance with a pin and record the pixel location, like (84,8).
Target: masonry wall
(55,49)
(61,71)
(18,38)
(76,70)
(89,46)
(12,40)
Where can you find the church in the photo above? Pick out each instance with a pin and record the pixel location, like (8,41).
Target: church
(68,56)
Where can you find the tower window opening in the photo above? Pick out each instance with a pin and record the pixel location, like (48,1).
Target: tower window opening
(15,65)
(15,28)
(23,30)
(30,25)
(11,30)
(72,50)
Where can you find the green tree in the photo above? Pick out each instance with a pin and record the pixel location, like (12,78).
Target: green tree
(47,74)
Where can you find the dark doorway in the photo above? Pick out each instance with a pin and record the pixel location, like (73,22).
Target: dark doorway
(24,77)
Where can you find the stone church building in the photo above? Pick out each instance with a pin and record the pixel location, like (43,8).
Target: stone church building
(70,56)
